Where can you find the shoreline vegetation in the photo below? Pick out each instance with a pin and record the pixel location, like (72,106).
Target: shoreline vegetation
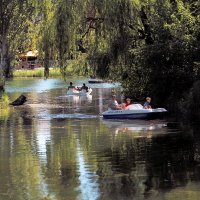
(4,101)
(37,72)
(4,106)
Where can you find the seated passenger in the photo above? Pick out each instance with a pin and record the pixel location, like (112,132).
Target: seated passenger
(92,76)
(114,105)
(127,103)
(84,87)
(147,104)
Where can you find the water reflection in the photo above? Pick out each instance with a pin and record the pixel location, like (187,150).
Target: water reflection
(88,180)
(43,137)
(141,127)
(84,99)
(59,148)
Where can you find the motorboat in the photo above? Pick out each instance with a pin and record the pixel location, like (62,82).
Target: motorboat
(72,91)
(95,80)
(134,111)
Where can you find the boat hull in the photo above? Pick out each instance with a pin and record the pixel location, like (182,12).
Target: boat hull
(80,93)
(135,114)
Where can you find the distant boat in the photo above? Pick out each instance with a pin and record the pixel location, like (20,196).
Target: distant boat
(95,80)
(134,111)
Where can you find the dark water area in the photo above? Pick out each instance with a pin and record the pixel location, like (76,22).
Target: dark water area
(58,147)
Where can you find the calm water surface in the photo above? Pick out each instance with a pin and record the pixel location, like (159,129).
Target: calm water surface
(58,147)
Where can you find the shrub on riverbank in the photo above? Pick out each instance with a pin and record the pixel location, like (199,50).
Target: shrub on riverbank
(4,106)
(4,101)
(190,106)
(39,72)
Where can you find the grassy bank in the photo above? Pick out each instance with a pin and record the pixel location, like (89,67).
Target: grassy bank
(4,106)
(38,72)
(4,101)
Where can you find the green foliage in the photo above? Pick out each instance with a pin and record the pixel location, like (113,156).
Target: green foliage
(4,101)
(190,105)
(4,106)
(53,72)
(15,19)
(166,68)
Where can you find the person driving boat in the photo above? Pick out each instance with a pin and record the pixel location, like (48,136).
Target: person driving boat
(147,104)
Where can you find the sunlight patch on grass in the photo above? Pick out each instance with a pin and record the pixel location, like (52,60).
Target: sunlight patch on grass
(39,72)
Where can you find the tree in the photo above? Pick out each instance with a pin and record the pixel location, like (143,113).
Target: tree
(46,43)
(167,67)
(14,18)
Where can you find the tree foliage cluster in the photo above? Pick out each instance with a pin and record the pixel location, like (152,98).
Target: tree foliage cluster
(15,18)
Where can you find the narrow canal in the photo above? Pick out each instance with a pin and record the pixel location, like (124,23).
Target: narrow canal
(58,147)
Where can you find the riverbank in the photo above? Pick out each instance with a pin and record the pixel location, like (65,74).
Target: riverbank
(4,101)
(37,72)
(4,106)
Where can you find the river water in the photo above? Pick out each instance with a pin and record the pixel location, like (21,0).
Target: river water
(57,147)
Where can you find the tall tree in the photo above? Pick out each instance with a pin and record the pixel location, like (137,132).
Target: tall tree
(46,43)
(69,30)
(14,17)
(166,68)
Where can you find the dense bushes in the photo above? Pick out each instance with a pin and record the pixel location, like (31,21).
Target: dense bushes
(190,105)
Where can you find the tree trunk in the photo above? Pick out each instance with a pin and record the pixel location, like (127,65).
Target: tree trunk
(46,68)
(5,58)
(2,77)
(3,52)
(8,69)
(147,30)
(2,83)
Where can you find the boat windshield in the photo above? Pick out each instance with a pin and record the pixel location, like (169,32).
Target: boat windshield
(134,107)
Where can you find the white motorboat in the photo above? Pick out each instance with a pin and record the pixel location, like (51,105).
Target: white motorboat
(134,111)
(73,91)
(95,80)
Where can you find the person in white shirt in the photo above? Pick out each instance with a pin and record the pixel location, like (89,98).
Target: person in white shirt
(114,105)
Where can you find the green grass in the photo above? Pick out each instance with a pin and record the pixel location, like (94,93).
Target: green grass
(5,109)
(4,101)
(39,72)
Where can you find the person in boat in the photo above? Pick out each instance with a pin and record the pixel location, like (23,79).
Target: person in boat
(84,87)
(114,105)
(71,86)
(127,103)
(147,104)
(92,76)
